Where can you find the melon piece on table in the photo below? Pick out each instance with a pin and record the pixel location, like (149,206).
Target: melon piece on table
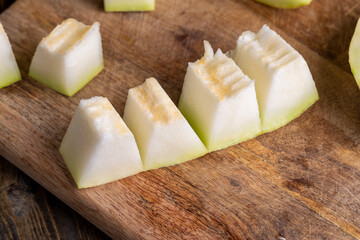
(69,57)
(163,135)
(129,5)
(98,147)
(287,4)
(354,53)
(219,101)
(283,82)
(9,71)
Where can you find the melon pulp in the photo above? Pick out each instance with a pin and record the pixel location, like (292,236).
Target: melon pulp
(9,71)
(354,53)
(69,57)
(285,3)
(219,101)
(129,5)
(163,135)
(98,147)
(283,82)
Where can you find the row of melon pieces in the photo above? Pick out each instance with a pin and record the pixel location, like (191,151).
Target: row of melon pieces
(66,60)
(219,106)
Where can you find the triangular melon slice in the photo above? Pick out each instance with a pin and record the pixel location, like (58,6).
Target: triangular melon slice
(163,135)
(129,5)
(219,101)
(69,57)
(98,147)
(283,81)
(354,53)
(9,71)
(285,3)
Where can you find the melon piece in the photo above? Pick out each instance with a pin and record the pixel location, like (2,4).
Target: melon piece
(285,3)
(9,71)
(98,147)
(219,101)
(129,5)
(163,135)
(69,57)
(354,53)
(284,84)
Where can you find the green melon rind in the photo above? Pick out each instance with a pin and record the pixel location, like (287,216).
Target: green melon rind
(62,89)
(77,178)
(254,132)
(186,157)
(82,186)
(128,6)
(286,4)
(297,111)
(354,53)
(10,79)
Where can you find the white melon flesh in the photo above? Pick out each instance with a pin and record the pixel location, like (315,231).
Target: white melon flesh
(98,147)
(354,53)
(284,84)
(9,71)
(69,57)
(129,5)
(163,135)
(219,101)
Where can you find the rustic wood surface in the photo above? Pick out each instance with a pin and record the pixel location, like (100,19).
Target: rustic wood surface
(301,181)
(30,212)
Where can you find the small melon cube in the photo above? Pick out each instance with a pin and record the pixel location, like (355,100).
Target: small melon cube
(354,53)
(284,84)
(219,101)
(129,5)
(9,71)
(69,57)
(163,135)
(98,147)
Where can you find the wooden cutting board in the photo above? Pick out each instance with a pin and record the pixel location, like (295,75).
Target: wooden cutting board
(301,181)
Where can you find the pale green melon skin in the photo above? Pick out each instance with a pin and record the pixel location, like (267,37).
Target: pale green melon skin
(252,132)
(129,6)
(354,54)
(286,4)
(61,88)
(10,79)
(297,111)
(76,174)
(172,162)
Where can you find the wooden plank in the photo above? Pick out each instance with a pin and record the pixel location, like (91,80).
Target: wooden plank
(299,182)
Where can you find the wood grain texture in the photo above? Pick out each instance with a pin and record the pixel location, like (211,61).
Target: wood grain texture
(301,181)
(30,212)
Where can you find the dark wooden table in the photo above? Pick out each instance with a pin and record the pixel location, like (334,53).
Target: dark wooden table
(28,211)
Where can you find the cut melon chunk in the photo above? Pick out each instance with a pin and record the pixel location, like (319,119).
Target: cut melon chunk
(129,5)
(163,135)
(285,3)
(9,71)
(69,57)
(219,101)
(354,53)
(283,81)
(98,147)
